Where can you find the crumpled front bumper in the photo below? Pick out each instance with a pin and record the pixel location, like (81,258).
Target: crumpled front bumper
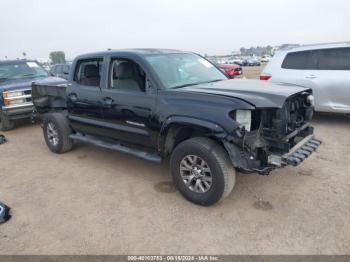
(297,154)
(247,162)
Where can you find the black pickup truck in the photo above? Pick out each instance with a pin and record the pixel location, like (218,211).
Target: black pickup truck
(154,103)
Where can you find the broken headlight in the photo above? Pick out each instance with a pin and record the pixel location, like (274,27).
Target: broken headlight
(243,118)
(310,100)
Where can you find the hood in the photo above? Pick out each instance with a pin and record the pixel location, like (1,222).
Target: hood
(255,92)
(27,83)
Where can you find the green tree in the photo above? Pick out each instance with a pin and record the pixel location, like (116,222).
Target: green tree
(58,57)
(243,51)
(269,50)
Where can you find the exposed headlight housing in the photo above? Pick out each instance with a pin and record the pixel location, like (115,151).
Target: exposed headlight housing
(310,99)
(243,118)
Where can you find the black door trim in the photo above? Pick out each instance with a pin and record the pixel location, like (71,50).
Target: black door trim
(94,122)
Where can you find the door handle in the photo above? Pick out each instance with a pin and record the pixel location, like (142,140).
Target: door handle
(311,76)
(73,97)
(107,100)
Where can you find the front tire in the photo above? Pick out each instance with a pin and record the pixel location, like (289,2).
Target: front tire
(5,123)
(202,171)
(56,133)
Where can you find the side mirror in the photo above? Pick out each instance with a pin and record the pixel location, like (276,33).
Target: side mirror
(65,72)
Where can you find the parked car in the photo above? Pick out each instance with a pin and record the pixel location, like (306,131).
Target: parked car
(231,70)
(265,59)
(16,77)
(251,62)
(155,104)
(60,70)
(237,61)
(324,68)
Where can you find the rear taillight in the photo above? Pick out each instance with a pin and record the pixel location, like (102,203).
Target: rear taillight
(265,77)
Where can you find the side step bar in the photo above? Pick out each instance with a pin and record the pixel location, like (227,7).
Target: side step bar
(116,146)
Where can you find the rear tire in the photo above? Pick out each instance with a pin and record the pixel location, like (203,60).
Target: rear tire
(205,160)
(5,123)
(56,133)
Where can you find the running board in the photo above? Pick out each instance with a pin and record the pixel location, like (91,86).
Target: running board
(117,147)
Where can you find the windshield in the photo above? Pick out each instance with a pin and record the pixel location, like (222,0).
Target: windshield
(21,70)
(179,70)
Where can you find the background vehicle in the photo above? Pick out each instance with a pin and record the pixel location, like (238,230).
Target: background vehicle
(236,60)
(265,59)
(15,90)
(251,61)
(325,68)
(231,70)
(60,70)
(155,104)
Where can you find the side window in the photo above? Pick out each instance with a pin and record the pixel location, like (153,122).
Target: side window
(126,75)
(59,70)
(334,59)
(296,60)
(53,70)
(66,69)
(88,72)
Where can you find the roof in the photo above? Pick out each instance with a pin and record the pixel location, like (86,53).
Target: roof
(135,51)
(316,46)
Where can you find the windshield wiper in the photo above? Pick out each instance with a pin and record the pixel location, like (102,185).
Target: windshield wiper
(216,80)
(198,83)
(193,84)
(28,75)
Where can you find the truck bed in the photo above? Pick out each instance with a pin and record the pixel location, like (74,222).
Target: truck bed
(48,97)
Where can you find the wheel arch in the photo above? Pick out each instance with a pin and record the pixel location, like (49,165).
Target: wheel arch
(179,128)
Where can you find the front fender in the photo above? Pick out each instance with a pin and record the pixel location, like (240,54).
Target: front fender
(211,129)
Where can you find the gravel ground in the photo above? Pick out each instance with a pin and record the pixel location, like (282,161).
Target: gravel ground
(94,201)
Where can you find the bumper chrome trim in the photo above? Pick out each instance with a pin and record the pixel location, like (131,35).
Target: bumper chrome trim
(18,97)
(27,104)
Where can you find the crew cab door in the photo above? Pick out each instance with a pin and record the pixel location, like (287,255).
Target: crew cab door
(84,96)
(128,105)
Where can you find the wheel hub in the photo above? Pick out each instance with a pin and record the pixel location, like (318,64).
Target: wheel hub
(196,173)
(52,134)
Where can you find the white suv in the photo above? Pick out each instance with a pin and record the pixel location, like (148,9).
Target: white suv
(324,68)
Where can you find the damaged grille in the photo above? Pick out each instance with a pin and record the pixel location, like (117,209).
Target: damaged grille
(293,115)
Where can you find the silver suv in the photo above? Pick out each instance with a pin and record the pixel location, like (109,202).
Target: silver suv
(325,68)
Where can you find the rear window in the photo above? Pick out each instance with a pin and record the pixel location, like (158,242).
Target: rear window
(322,59)
(296,60)
(88,72)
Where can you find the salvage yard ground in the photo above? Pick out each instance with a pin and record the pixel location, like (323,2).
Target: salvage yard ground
(94,201)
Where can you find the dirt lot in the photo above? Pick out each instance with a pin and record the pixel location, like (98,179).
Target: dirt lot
(252,72)
(94,201)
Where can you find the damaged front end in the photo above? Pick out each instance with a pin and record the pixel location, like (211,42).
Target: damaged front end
(274,137)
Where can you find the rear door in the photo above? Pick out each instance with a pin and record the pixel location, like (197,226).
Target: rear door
(84,96)
(129,104)
(333,79)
